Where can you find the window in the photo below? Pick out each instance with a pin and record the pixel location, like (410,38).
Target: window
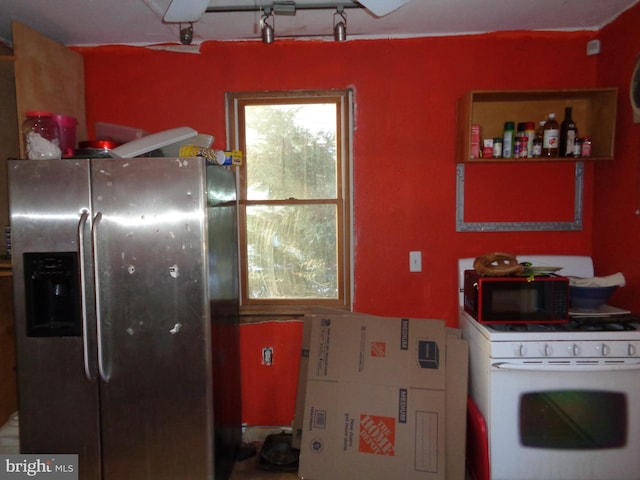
(294,198)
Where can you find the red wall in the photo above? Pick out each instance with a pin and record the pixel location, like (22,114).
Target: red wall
(617,185)
(270,390)
(404,168)
(404,146)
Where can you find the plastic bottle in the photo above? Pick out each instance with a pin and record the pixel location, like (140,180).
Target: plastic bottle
(551,137)
(508,139)
(41,136)
(523,152)
(530,132)
(568,134)
(517,143)
(585,151)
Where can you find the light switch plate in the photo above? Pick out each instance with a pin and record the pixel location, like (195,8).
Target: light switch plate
(415,261)
(593,47)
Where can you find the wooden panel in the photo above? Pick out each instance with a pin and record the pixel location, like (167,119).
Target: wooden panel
(49,77)
(8,136)
(8,397)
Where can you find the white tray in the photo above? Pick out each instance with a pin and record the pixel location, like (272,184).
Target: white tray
(602,311)
(151,142)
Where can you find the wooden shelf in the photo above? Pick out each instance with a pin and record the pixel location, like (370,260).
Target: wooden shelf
(594,111)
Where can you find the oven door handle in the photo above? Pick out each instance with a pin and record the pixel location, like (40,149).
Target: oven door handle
(565,367)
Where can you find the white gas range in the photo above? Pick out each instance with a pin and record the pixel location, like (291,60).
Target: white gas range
(560,401)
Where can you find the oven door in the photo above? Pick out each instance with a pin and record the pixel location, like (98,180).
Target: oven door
(564,421)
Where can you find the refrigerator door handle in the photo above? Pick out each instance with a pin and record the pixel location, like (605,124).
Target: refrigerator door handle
(83,295)
(104,376)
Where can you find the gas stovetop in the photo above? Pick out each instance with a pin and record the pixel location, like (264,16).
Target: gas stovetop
(625,323)
(575,341)
(614,328)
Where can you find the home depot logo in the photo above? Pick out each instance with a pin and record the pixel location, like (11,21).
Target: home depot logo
(378,349)
(377,435)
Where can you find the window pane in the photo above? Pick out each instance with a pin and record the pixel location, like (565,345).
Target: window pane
(292,252)
(291,151)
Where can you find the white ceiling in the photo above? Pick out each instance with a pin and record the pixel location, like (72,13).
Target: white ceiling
(139,22)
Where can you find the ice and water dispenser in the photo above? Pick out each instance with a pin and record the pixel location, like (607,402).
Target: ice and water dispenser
(52,291)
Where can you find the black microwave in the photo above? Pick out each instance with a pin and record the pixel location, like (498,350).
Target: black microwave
(516,299)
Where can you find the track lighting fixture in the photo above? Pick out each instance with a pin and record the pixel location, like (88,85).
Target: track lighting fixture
(183,11)
(340,27)
(186,34)
(267,28)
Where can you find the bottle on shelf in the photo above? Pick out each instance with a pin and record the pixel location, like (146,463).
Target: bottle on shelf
(536,149)
(577,148)
(508,139)
(551,137)
(530,132)
(540,129)
(568,134)
(517,143)
(585,150)
(497,147)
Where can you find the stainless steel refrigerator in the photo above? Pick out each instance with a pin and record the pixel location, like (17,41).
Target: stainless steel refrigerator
(126,301)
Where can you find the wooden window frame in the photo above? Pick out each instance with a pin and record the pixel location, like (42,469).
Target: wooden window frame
(343,99)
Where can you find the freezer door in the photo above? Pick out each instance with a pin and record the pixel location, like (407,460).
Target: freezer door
(149,235)
(58,394)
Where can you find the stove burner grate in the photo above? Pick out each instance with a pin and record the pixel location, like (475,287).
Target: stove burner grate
(582,324)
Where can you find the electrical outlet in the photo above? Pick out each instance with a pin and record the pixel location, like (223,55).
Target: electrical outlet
(415,261)
(267,356)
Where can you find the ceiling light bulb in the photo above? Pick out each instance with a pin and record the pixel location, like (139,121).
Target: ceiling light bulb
(340,32)
(186,34)
(340,28)
(267,33)
(267,29)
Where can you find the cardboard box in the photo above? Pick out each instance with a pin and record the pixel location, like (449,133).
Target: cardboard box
(296,436)
(457,359)
(376,399)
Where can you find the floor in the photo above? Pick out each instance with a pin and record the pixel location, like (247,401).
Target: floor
(250,470)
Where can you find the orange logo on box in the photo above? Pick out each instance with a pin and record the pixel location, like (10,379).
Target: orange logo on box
(377,435)
(378,349)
